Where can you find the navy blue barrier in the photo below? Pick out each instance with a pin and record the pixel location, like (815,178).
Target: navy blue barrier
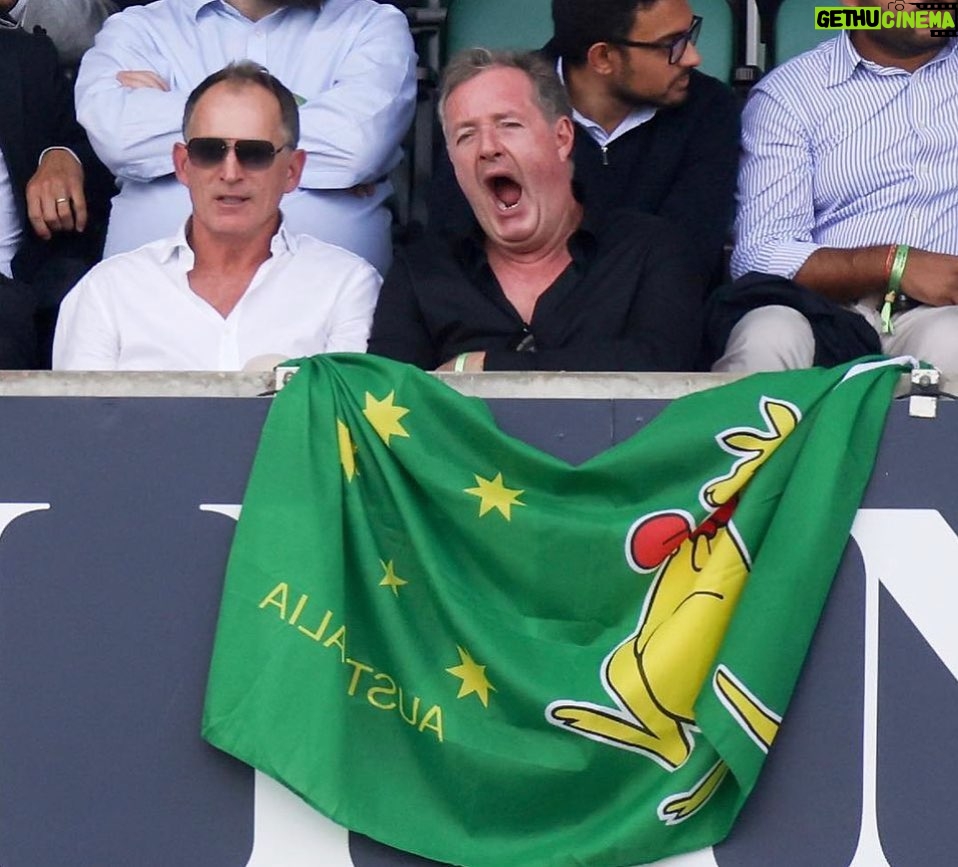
(115,522)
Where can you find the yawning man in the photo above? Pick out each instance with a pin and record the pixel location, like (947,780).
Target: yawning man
(538,283)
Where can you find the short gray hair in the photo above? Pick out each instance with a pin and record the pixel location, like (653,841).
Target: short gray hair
(244,73)
(548,90)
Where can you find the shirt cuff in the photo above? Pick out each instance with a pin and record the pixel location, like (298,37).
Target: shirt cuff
(784,259)
(45,151)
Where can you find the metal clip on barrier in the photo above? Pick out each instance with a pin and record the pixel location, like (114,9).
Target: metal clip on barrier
(282,376)
(924,394)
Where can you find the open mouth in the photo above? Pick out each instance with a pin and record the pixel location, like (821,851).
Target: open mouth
(506,191)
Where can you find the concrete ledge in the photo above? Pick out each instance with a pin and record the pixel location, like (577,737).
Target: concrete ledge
(596,386)
(46,383)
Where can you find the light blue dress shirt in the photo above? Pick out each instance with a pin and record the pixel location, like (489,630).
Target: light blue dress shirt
(352,65)
(841,152)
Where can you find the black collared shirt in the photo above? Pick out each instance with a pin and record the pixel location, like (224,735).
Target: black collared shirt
(629,300)
(682,165)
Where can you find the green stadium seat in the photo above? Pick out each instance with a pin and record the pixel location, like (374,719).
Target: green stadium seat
(716,39)
(795,29)
(503,24)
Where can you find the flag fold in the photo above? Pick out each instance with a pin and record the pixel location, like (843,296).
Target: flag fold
(445,639)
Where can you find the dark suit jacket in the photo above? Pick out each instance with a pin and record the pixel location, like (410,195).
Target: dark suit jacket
(36,112)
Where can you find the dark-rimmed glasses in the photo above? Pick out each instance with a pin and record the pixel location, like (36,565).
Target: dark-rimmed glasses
(251,153)
(675,46)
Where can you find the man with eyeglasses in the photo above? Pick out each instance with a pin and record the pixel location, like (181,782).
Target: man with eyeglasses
(651,131)
(351,64)
(234,289)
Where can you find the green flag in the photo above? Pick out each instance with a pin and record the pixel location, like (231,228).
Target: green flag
(465,648)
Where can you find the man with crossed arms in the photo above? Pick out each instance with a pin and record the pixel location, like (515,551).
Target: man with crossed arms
(350,63)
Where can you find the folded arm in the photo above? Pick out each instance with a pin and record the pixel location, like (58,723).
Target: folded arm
(125,101)
(352,131)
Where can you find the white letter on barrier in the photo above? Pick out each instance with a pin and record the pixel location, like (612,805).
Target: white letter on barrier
(912,552)
(286,830)
(9,512)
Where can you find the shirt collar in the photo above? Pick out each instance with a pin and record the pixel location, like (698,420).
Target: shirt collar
(636,117)
(178,248)
(846,59)
(196,6)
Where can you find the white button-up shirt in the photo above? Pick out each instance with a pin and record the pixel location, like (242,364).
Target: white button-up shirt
(351,65)
(136,311)
(10,229)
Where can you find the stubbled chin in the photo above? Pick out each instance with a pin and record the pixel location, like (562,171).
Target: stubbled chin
(509,228)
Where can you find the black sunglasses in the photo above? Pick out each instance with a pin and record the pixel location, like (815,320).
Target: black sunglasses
(675,46)
(251,153)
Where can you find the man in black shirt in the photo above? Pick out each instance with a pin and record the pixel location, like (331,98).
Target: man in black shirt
(534,283)
(651,131)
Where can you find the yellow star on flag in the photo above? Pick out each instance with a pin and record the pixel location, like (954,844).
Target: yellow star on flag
(347,450)
(390,578)
(473,677)
(493,494)
(384,416)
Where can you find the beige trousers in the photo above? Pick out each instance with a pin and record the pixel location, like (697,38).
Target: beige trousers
(780,338)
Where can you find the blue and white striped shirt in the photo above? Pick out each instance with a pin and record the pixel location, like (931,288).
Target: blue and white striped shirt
(841,152)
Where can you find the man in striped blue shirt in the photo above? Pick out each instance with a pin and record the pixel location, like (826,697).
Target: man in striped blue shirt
(849,187)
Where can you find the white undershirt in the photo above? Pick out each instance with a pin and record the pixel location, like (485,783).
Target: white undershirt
(634,118)
(10,229)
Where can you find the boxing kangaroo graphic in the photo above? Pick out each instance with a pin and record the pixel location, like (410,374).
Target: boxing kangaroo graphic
(655,675)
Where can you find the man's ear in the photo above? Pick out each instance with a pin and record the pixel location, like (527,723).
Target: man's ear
(179,162)
(565,135)
(297,162)
(599,58)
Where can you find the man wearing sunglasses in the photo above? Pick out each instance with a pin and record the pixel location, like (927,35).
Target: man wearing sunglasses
(234,288)
(651,131)
(350,63)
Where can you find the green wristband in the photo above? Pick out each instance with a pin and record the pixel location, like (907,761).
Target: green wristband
(893,292)
(898,268)
(460,364)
